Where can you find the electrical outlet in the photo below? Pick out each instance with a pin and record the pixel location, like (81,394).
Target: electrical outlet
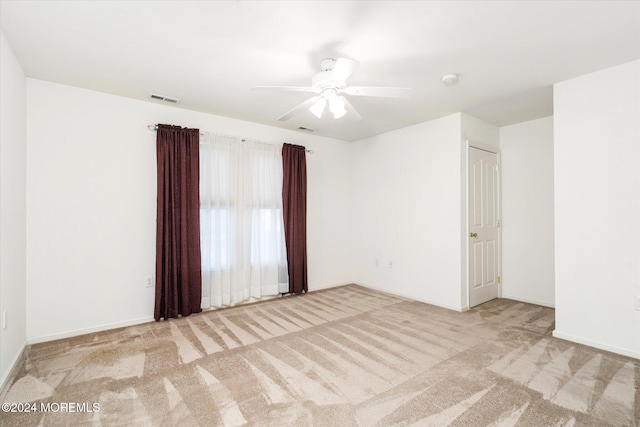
(151,282)
(4,319)
(638,302)
(376,262)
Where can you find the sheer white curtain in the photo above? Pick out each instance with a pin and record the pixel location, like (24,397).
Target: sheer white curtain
(242,232)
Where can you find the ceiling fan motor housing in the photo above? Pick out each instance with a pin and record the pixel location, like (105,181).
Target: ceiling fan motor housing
(325,80)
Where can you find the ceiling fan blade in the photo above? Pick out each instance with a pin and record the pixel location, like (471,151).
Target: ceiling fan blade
(295,110)
(284,88)
(343,68)
(384,92)
(351,111)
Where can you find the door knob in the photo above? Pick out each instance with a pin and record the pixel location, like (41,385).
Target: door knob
(473,234)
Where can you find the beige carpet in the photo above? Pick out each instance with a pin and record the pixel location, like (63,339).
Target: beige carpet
(345,356)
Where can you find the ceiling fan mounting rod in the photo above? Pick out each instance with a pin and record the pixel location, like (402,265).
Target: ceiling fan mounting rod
(327,64)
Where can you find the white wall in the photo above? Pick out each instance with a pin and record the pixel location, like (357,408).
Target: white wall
(13,135)
(527,212)
(406,211)
(597,208)
(328,216)
(409,209)
(91,194)
(478,131)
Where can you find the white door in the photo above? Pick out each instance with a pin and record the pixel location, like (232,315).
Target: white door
(484,223)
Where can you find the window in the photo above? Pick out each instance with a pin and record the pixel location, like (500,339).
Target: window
(242,232)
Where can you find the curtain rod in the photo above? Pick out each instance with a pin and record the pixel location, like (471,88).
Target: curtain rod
(155,128)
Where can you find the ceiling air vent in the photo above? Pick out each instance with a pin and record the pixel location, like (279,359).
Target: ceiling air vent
(307,129)
(164,98)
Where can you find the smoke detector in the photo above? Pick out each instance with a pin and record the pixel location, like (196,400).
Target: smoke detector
(449,79)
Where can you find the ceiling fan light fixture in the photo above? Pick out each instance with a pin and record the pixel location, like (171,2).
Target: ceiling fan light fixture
(336,106)
(339,114)
(318,108)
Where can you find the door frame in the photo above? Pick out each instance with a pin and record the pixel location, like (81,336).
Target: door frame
(464,237)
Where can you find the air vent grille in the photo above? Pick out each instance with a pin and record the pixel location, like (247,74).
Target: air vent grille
(164,98)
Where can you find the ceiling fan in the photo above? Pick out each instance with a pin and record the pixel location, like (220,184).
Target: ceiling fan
(329,85)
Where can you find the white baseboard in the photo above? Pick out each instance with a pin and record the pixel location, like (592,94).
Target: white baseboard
(413,297)
(530,301)
(12,366)
(599,345)
(321,287)
(76,332)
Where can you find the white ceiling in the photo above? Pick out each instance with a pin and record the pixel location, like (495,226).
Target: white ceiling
(208,54)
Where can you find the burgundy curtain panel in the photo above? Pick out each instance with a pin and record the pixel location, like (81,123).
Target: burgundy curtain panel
(178,268)
(294,204)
